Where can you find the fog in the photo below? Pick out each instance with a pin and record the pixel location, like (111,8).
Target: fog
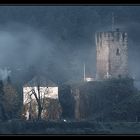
(22,46)
(56,41)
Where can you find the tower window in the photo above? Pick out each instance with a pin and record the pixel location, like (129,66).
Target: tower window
(118,52)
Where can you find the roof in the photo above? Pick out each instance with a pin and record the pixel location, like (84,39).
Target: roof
(41,81)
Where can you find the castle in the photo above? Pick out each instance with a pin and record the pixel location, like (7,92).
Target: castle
(111,54)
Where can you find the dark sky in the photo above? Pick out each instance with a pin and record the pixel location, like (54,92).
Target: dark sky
(61,38)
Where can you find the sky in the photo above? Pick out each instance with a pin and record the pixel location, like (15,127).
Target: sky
(57,40)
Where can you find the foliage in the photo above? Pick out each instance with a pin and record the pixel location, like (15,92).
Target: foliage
(52,109)
(67,101)
(11,101)
(109,100)
(3,115)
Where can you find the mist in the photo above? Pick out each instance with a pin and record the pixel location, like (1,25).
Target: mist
(24,47)
(55,41)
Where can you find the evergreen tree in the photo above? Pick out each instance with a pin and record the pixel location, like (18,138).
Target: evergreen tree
(3,115)
(11,100)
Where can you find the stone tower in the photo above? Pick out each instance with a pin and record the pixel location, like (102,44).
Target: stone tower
(112,55)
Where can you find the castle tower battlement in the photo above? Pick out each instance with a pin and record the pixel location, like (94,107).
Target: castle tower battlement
(111,54)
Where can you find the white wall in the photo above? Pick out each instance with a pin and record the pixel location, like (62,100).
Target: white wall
(49,92)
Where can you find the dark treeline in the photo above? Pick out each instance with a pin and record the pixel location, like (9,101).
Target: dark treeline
(10,101)
(109,100)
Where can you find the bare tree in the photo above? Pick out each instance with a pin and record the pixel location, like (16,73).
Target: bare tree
(40,98)
(38,95)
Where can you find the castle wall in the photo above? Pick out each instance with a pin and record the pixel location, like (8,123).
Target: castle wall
(112,57)
(102,52)
(118,55)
